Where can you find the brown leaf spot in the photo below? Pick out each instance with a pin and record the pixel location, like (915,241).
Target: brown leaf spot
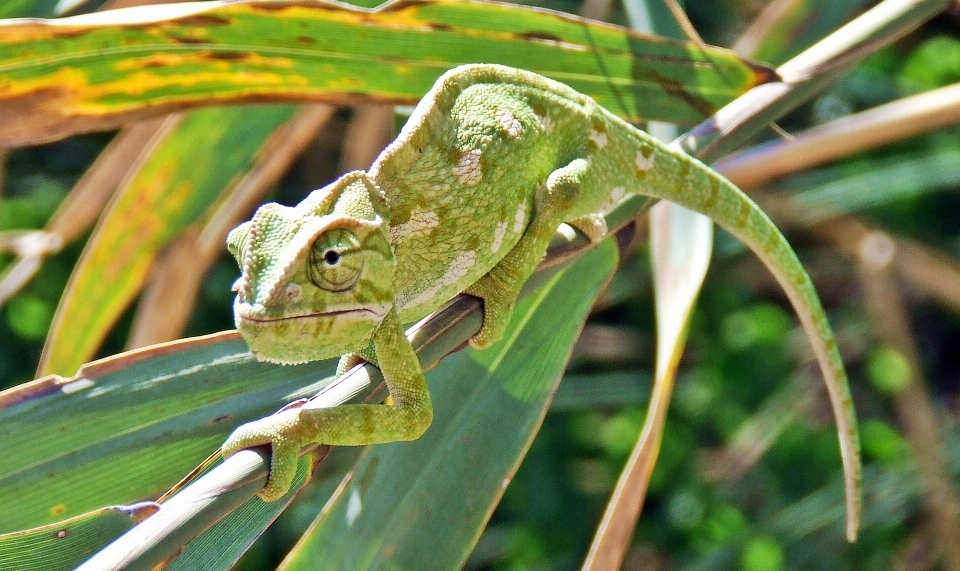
(281,7)
(219,419)
(440,27)
(187,40)
(204,20)
(541,36)
(228,56)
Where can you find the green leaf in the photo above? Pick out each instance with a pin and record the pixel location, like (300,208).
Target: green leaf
(61,546)
(222,545)
(787,28)
(170,531)
(129,427)
(26,8)
(165,58)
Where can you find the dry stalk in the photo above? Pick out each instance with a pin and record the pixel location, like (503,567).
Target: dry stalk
(843,137)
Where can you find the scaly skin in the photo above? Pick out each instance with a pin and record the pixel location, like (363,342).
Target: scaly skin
(466,200)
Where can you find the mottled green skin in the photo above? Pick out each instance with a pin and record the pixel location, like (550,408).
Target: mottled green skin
(466,200)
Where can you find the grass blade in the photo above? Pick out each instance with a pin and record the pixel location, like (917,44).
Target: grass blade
(169,57)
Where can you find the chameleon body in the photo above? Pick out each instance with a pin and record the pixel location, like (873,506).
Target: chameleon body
(466,199)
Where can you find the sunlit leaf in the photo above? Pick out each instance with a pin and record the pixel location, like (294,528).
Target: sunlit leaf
(169,57)
(128,427)
(62,545)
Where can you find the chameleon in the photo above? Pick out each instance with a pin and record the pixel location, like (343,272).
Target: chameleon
(466,200)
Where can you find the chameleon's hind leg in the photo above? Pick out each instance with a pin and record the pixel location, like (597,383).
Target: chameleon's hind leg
(499,287)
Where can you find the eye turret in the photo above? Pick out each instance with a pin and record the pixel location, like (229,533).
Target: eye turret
(237,241)
(336,260)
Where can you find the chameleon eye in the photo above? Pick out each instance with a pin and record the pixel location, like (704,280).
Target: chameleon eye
(335,260)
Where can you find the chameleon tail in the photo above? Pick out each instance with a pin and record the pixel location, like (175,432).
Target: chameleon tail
(689,183)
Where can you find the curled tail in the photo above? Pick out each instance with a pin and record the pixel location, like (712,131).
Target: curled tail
(691,184)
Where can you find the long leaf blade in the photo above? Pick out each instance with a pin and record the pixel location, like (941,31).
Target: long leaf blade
(61,546)
(166,58)
(143,418)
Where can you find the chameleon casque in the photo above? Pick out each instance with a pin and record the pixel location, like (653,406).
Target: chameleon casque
(466,200)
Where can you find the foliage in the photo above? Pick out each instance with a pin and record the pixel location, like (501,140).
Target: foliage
(748,477)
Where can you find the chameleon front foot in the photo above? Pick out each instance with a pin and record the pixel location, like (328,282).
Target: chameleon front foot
(279,431)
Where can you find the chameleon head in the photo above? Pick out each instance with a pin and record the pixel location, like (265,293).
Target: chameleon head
(316,278)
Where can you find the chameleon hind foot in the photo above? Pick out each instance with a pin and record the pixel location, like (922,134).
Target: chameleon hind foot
(500,287)
(593,226)
(497,308)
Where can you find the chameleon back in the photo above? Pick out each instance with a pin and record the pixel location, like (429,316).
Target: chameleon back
(460,190)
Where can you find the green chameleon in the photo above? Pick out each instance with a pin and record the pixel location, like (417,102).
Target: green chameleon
(466,200)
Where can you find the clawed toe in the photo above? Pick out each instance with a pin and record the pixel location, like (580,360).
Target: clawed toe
(277,431)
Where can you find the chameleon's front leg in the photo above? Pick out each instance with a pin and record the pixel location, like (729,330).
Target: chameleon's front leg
(351,360)
(500,287)
(288,431)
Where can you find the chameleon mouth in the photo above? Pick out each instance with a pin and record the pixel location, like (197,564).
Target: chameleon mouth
(342,312)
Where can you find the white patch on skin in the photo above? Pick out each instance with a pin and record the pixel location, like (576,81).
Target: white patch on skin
(293,291)
(510,124)
(458,268)
(422,297)
(644,163)
(498,233)
(599,139)
(520,217)
(468,169)
(354,507)
(546,123)
(420,224)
